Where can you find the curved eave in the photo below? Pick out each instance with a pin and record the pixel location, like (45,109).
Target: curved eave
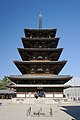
(40,62)
(40,49)
(40,39)
(55,78)
(28,40)
(40,77)
(30,30)
(27,53)
(25,66)
(39,32)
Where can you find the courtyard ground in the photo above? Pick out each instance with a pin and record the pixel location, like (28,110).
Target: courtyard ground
(37,109)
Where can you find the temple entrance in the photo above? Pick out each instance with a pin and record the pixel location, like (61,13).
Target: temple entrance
(39,93)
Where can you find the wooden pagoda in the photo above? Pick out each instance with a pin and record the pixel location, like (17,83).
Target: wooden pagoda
(40,65)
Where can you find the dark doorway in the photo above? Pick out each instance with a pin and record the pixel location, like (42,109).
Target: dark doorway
(40,92)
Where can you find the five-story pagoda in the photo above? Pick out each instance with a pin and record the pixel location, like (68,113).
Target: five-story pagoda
(40,65)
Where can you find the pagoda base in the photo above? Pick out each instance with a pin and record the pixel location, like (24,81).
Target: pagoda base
(40,91)
(42,101)
(32,95)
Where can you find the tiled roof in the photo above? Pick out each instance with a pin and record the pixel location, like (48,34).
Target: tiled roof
(40,76)
(75,81)
(6,92)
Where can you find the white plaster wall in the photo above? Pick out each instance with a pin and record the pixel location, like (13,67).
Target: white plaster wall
(49,95)
(21,95)
(32,95)
(58,95)
(72,92)
(27,95)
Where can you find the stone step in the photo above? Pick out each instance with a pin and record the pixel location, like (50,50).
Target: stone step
(39,101)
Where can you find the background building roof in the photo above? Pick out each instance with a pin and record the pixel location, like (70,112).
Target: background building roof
(6,92)
(75,81)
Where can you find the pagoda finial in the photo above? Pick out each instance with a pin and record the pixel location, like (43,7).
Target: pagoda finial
(40,21)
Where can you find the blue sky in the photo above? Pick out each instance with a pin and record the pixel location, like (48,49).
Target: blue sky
(15,15)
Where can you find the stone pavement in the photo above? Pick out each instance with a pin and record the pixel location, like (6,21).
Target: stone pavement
(33,109)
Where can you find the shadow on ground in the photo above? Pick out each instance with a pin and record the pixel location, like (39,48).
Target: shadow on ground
(73,111)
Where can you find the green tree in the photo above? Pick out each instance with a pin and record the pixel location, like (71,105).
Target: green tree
(4,82)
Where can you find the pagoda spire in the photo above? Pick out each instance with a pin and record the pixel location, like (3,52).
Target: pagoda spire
(40,21)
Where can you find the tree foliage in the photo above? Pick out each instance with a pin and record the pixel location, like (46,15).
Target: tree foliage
(4,82)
